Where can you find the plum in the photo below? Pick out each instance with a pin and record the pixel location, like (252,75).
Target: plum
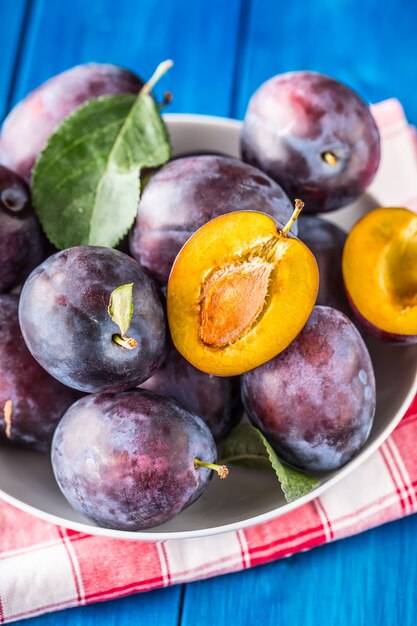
(188,192)
(28,126)
(313,135)
(128,460)
(66,324)
(21,239)
(31,401)
(315,402)
(213,398)
(326,241)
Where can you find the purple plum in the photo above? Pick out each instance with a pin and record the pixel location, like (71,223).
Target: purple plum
(188,192)
(127,460)
(26,129)
(31,401)
(315,402)
(313,135)
(65,321)
(213,398)
(326,241)
(21,239)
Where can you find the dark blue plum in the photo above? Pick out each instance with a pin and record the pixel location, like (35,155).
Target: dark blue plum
(64,319)
(27,127)
(126,460)
(313,135)
(315,402)
(21,240)
(31,401)
(326,242)
(215,399)
(190,191)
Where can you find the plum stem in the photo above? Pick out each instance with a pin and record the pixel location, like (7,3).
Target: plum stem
(7,412)
(167,99)
(298,204)
(329,157)
(159,72)
(222,470)
(126,342)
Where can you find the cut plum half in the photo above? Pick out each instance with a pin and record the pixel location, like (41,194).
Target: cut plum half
(380,273)
(239,292)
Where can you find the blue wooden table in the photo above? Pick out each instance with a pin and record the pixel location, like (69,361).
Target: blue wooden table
(224,49)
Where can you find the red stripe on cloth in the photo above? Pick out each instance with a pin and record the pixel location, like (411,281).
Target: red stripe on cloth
(325,519)
(392,472)
(73,564)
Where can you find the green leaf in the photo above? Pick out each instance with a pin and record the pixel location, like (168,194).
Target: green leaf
(121,307)
(247,446)
(86,182)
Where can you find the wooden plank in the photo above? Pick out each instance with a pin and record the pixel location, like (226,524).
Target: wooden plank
(139,35)
(369,45)
(367,579)
(12,20)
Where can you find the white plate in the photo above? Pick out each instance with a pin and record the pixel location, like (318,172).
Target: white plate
(246,497)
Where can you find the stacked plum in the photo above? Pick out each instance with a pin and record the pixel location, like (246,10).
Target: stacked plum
(133,365)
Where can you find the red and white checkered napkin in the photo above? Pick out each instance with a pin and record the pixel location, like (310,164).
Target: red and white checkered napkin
(45,568)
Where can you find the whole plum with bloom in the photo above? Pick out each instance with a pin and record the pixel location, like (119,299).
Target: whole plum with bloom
(66,323)
(315,402)
(127,460)
(31,401)
(216,399)
(326,241)
(313,135)
(21,240)
(28,126)
(188,192)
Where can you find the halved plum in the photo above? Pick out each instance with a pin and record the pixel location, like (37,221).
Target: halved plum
(380,273)
(239,292)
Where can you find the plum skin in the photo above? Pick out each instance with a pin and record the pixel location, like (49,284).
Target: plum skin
(215,399)
(293,120)
(326,242)
(38,401)
(190,191)
(21,240)
(64,318)
(315,402)
(126,461)
(30,123)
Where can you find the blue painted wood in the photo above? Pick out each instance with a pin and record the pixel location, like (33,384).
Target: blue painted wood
(363,580)
(156,608)
(139,35)
(370,45)
(12,19)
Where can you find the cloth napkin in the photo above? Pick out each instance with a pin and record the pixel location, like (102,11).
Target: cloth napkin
(46,568)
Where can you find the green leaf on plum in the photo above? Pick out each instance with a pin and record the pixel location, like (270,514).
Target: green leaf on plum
(247,446)
(121,307)
(86,182)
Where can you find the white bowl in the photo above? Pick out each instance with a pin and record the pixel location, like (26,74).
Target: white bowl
(247,497)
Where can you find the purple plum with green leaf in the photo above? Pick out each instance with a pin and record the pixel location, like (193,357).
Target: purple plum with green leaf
(94,319)
(26,129)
